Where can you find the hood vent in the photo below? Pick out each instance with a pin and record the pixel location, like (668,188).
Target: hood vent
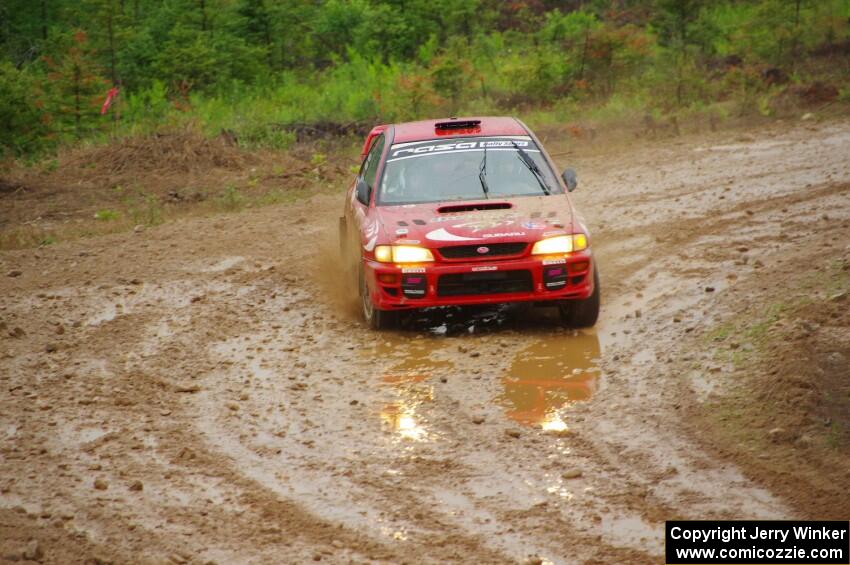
(454,209)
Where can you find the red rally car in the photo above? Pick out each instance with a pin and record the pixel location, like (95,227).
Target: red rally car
(465,211)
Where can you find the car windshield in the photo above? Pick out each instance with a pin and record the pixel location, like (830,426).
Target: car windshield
(465,169)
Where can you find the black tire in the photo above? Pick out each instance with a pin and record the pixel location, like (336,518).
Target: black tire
(376,319)
(582,313)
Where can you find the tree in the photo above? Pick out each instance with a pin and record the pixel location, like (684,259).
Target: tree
(675,23)
(76,86)
(257,26)
(22,127)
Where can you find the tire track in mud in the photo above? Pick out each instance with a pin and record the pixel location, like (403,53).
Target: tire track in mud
(375,485)
(703,264)
(265,423)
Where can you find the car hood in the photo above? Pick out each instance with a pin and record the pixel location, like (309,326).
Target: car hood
(439,224)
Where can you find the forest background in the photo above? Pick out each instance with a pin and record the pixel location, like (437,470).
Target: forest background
(261,71)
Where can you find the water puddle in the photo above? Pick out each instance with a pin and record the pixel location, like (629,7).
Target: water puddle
(538,385)
(402,416)
(548,376)
(408,376)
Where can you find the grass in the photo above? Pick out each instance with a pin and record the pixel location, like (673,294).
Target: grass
(145,210)
(26,235)
(720,333)
(230,199)
(757,332)
(106,215)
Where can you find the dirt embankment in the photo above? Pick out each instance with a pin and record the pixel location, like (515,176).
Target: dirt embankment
(193,393)
(786,416)
(146,180)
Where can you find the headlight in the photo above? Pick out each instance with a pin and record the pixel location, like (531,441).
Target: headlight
(560,244)
(402,254)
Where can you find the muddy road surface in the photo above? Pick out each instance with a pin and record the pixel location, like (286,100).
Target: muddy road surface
(203,392)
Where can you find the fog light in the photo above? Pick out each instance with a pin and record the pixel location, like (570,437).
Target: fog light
(388,278)
(554,276)
(579,266)
(414,285)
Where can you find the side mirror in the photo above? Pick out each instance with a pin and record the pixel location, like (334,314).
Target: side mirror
(362,191)
(570,179)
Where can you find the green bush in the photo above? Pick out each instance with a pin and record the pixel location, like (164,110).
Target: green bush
(255,67)
(23,128)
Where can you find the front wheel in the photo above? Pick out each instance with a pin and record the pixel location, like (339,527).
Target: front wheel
(376,319)
(582,313)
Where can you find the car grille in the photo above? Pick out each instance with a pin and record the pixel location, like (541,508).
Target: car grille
(491,282)
(493,250)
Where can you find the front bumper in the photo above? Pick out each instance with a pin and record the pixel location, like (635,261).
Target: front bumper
(527,279)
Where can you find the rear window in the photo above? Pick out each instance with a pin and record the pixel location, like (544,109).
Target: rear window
(441,170)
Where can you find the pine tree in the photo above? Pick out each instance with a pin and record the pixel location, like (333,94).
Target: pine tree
(76,86)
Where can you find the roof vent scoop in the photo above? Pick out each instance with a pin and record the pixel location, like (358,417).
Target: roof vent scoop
(456,208)
(457,124)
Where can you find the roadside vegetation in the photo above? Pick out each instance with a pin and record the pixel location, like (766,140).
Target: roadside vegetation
(266,74)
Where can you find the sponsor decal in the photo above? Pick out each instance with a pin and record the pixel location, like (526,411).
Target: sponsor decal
(401,231)
(407,241)
(371,229)
(406,151)
(478,216)
(533,226)
(443,235)
(406,270)
(504,234)
(485,268)
(554,261)
(486,224)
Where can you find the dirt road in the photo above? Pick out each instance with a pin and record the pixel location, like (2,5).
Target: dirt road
(201,392)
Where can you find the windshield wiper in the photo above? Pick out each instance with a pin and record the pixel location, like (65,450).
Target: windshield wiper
(532,166)
(482,175)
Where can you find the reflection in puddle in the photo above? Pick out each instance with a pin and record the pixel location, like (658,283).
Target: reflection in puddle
(550,375)
(408,377)
(401,415)
(542,380)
